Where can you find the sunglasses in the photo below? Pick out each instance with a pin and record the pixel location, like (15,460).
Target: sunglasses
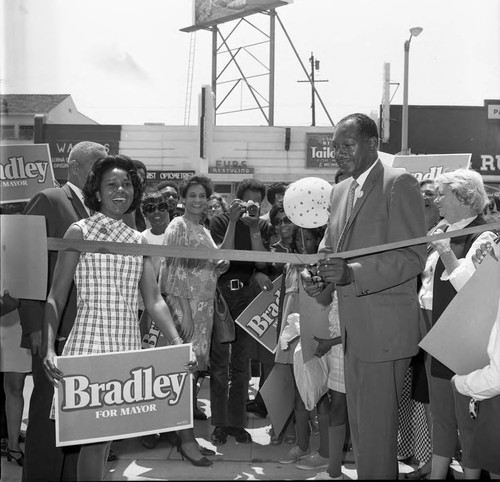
(213,207)
(170,195)
(151,208)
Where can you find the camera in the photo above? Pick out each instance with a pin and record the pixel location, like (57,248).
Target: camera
(252,208)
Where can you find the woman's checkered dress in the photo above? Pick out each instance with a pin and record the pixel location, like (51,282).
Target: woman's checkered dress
(107,286)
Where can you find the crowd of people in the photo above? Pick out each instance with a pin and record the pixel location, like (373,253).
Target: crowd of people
(379,305)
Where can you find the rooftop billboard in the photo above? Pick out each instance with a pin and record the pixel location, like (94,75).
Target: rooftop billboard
(212,12)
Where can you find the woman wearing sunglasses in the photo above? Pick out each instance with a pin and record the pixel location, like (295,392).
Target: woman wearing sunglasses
(155,210)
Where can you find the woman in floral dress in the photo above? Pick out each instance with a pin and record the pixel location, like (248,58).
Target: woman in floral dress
(189,284)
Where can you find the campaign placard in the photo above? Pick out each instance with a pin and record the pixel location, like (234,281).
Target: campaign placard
(260,317)
(123,394)
(25,169)
(24,244)
(460,337)
(429,166)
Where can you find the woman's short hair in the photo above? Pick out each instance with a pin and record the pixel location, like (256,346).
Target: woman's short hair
(468,186)
(221,200)
(152,197)
(168,183)
(140,165)
(276,188)
(200,179)
(94,179)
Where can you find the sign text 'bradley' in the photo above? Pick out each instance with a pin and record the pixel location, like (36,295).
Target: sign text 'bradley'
(431,174)
(259,324)
(17,170)
(143,386)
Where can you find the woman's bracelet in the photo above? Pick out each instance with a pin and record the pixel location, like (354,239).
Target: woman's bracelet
(175,339)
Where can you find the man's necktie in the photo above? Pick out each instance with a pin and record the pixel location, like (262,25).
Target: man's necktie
(350,204)
(350,198)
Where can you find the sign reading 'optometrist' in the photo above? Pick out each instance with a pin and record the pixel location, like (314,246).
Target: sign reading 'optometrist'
(121,395)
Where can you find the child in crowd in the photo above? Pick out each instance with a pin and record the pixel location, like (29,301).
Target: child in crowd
(332,411)
(303,241)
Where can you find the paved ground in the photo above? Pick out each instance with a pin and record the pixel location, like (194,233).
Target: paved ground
(233,461)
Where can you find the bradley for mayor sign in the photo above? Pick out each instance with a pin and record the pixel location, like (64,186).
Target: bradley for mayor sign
(123,394)
(24,171)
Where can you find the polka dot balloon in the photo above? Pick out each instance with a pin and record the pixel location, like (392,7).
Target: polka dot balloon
(306,202)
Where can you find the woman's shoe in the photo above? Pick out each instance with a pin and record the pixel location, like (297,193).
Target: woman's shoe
(150,441)
(421,473)
(203,462)
(19,459)
(205,450)
(199,414)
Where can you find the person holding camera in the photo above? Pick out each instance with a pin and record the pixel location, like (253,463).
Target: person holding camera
(240,228)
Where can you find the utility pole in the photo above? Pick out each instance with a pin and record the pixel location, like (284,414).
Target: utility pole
(314,66)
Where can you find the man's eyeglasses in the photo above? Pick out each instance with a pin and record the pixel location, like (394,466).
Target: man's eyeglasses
(151,208)
(213,207)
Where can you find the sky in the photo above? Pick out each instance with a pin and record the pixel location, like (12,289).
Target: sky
(126,61)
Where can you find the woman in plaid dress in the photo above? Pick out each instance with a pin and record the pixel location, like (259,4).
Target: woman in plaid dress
(107,285)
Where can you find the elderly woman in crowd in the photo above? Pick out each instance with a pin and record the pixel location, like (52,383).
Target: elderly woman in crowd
(113,189)
(189,284)
(483,386)
(461,199)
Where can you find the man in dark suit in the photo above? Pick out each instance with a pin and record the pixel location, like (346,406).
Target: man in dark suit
(61,207)
(377,293)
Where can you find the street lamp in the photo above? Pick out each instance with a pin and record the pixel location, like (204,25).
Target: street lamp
(414,32)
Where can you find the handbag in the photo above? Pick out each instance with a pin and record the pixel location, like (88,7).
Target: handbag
(311,377)
(224,330)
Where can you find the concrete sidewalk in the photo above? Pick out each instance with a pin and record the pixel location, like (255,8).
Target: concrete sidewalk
(255,461)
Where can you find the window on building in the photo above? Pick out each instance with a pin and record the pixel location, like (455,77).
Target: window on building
(26,133)
(7,132)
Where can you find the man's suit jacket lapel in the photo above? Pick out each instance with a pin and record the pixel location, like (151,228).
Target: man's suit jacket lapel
(368,186)
(76,203)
